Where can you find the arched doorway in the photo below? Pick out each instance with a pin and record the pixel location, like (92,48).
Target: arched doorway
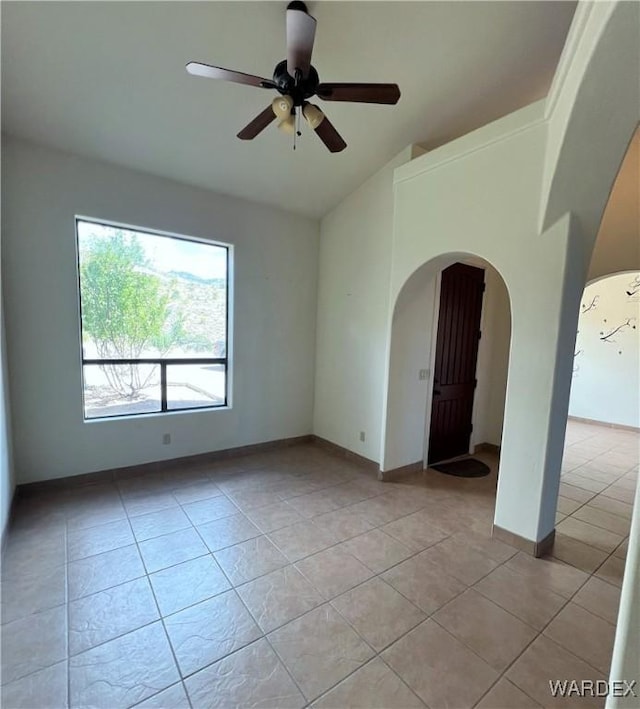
(412,363)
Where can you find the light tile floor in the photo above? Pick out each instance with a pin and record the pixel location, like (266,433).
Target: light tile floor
(294,578)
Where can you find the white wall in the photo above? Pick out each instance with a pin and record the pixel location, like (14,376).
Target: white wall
(353,305)
(493,360)
(274,313)
(7,483)
(463,198)
(606,377)
(617,246)
(411,349)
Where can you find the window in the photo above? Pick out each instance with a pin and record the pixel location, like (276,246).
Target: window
(154,321)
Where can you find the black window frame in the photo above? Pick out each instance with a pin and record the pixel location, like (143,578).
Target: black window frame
(163,362)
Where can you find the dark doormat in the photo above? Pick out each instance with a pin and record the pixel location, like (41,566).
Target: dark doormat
(466,468)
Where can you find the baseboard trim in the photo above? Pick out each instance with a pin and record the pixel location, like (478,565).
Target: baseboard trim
(345,453)
(185,462)
(397,473)
(606,424)
(536,549)
(486,448)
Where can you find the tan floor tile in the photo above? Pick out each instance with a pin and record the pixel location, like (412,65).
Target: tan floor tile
(171,549)
(273,517)
(600,518)
(147,503)
(302,539)
(415,532)
(589,534)
(173,697)
(227,531)
(423,583)
(378,612)
(497,636)
(621,551)
(210,509)
(319,650)
(342,524)
(355,491)
(251,499)
(373,686)
(251,677)
(460,560)
(560,517)
(608,504)
(108,614)
(246,561)
(313,504)
(45,688)
(118,673)
(584,634)
(577,553)
(33,643)
(567,506)
(439,668)
(333,571)
(505,695)
(208,631)
(531,602)
(620,493)
(548,572)
(279,597)
(188,583)
(157,524)
(576,480)
(599,597)
(95,540)
(198,491)
(575,493)
(96,573)
(494,549)
(376,550)
(544,661)
(612,570)
(35,589)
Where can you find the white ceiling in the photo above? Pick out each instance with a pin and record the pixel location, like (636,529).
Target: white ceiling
(107,80)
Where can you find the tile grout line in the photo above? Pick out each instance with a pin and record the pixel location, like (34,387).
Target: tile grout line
(166,634)
(344,507)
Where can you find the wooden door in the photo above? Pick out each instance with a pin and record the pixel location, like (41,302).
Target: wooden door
(455,364)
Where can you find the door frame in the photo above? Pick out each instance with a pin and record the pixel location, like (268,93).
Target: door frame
(432,361)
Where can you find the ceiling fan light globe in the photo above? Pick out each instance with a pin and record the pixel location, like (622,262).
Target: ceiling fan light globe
(282,106)
(288,125)
(313,115)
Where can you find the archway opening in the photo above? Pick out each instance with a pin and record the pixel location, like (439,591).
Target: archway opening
(413,385)
(600,460)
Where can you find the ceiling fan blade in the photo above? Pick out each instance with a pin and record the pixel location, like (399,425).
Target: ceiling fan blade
(361,93)
(216,72)
(301,32)
(258,124)
(330,136)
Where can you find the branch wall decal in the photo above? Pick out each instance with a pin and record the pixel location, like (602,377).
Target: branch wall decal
(592,305)
(608,337)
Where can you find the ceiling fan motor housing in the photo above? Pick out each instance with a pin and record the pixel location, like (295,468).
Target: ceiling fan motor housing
(299,90)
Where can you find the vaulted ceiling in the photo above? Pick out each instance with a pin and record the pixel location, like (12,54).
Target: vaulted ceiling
(107,80)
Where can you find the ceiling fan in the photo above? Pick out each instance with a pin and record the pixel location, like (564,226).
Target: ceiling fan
(297,80)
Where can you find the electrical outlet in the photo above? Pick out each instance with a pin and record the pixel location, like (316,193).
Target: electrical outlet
(362,436)
(423,374)
(166,439)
